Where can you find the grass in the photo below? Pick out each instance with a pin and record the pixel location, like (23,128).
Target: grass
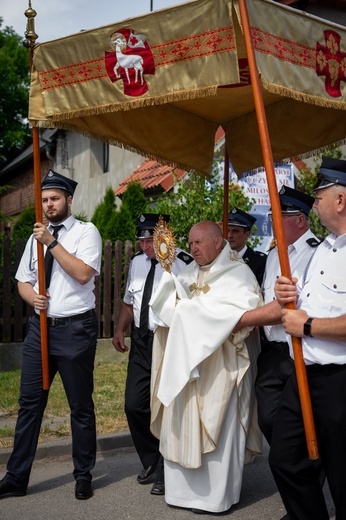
(108,398)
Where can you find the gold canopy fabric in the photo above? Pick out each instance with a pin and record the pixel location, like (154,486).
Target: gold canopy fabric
(161,84)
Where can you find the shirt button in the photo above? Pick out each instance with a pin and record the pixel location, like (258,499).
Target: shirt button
(334,250)
(322,272)
(335,286)
(308,295)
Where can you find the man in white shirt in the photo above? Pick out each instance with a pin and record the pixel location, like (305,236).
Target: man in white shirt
(274,362)
(75,249)
(320,320)
(135,311)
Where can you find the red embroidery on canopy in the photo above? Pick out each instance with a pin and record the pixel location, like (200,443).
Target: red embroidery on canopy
(331,62)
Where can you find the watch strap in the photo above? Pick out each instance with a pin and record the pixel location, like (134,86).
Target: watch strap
(53,244)
(307,327)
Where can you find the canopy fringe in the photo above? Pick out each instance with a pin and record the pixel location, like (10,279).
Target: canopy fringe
(321,149)
(302,96)
(138,103)
(119,144)
(306,155)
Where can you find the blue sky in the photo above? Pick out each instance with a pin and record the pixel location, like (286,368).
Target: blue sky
(56,19)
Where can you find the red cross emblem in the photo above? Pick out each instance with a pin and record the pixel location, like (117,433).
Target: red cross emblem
(331,63)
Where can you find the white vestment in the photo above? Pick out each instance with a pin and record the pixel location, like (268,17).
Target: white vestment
(202,382)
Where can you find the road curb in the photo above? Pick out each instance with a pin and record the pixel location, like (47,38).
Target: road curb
(64,447)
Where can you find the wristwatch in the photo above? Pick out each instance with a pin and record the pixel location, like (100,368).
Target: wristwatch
(53,244)
(307,327)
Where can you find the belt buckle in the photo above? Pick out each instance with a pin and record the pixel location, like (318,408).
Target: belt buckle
(54,322)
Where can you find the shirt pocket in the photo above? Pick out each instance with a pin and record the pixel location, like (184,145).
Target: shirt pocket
(335,293)
(136,286)
(267,291)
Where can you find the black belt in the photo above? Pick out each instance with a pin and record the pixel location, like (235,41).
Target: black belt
(277,345)
(331,367)
(56,322)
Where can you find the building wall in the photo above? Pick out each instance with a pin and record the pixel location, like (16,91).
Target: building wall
(77,157)
(81,159)
(21,191)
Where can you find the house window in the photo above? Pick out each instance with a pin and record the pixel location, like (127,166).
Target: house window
(105,157)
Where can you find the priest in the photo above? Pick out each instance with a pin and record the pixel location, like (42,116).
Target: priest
(203,404)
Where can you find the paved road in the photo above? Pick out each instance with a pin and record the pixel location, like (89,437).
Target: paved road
(117,494)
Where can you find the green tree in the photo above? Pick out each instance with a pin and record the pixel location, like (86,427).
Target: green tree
(24,224)
(104,213)
(14,94)
(121,226)
(194,199)
(135,200)
(306,181)
(81,216)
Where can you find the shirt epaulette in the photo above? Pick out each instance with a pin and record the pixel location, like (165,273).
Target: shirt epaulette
(271,248)
(140,252)
(313,242)
(185,257)
(259,253)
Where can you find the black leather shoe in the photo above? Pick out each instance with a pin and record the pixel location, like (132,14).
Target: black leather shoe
(147,474)
(6,488)
(200,511)
(286,517)
(83,490)
(158,488)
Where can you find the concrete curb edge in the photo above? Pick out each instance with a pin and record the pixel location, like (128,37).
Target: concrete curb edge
(64,447)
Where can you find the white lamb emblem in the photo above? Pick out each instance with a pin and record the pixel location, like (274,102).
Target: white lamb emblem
(128,61)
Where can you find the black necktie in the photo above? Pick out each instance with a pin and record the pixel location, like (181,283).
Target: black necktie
(148,287)
(49,258)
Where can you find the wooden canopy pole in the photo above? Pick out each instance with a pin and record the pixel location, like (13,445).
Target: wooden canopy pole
(300,368)
(29,42)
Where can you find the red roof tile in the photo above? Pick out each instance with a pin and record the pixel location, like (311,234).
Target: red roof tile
(299,163)
(151,174)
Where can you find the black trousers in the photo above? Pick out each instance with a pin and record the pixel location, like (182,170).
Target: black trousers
(137,398)
(72,350)
(296,476)
(274,367)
